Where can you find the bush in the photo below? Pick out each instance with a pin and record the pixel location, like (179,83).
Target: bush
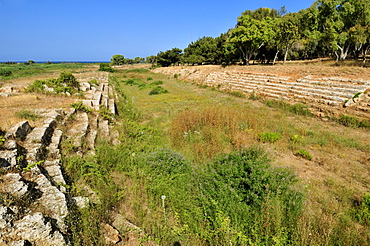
(5,72)
(81,107)
(158,90)
(236,94)
(106,67)
(68,79)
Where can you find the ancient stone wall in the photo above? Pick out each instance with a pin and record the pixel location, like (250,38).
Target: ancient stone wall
(325,94)
(34,197)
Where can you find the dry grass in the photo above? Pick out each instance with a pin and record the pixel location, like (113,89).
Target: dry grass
(9,106)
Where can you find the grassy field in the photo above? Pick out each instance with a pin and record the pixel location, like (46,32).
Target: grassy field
(233,171)
(196,166)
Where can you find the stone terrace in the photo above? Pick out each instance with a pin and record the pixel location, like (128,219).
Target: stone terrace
(324,94)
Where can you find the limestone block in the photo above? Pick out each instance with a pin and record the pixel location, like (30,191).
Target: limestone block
(14,185)
(19,243)
(80,201)
(19,131)
(6,217)
(112,106)
(111,234)
(8,158)
(36,228)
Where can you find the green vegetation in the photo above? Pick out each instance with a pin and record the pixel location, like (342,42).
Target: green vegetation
(13,70)
(65,83)
(304,154)
(28,115)
(352,121)
(335,28)
(192,147)
(158,90)
(81,107)
(105,67)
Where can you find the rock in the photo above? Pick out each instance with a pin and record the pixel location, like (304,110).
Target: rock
(80,201)
(36,228)
(14,185)
(111,234)
(6,217)
(20,243)
(19,131)
(8,158)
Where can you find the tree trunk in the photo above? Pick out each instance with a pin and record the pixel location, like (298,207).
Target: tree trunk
(286,54)
(276,54)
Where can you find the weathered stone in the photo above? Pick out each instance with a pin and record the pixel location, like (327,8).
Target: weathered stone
(80,201)
(14,185)
(20,243)
(36,228)
(111,234)
(8,158)
(19,131)
(6,217)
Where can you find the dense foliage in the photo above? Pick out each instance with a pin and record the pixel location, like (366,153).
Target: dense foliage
(328,28)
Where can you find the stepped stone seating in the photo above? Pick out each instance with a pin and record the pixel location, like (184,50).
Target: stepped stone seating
(335,92)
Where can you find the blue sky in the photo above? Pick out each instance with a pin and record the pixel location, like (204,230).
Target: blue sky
(82,30)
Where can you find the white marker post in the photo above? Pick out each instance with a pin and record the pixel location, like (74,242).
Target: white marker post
(164,209)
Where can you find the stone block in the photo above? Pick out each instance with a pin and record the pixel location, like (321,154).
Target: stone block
(19,131)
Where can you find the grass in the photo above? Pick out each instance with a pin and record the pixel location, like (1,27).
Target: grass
(173,141)
(28,115)
(22,70)
(227,167)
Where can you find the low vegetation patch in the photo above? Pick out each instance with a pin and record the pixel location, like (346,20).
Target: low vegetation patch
(158,90)
(269,137)
(28,115)
(352,121)
(298,109)
(65,83)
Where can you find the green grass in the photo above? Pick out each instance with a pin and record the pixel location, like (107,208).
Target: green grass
(28,115)
(23,70)
(200,149)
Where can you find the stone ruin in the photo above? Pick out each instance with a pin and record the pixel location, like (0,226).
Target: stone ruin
(34,198)
(329,95)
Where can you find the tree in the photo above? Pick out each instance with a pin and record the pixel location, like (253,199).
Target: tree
(204,50)
(287,32)
(151,59)
(139,60)
(169,57)
(250,34)
(117,60)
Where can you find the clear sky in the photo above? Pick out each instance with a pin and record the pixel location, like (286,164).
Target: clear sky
(92,30)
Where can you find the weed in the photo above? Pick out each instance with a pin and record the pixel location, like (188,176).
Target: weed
(175,76)
(304,154)
(81,107)
(94,82)
(158,90)
(149,78)
(362,211)
(236,94)
(32,165)
(2,140)
(269,137)
(28,115)
(253,96)
(106,114)
(298,109)
(352,121)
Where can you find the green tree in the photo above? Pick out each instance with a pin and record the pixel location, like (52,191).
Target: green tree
(204,50)
(117,60)
(287,32)
(139,60)
(151,59)
(169,57)
(251,34)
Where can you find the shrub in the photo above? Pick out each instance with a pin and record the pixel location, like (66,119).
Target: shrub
(269,137)
(158,82)
(68,79)
(80,106)
(158,90)
(106,67)
(304,154)
(5,72)
(362,212)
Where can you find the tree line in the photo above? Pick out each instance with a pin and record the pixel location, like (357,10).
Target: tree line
(328,28)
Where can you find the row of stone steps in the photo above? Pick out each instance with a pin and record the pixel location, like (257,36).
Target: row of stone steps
(30,165)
